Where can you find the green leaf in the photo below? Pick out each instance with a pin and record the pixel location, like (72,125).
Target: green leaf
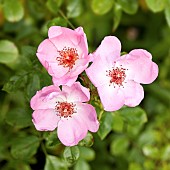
(135,166)
(117,122)
(129,6)
(167,13)
(87,141)
(15,83)
(54,5)
(71,154)
(119,145)
(87,153)
(57,22)
(74,8)
(82,165)
(54,163)
(156,5)
(101,7)
(13,10)
(151,151)
(51,139)
(106,124)
(8,52)
(19,117)
(33,85)
(133,116)
(117,14)
(25,147)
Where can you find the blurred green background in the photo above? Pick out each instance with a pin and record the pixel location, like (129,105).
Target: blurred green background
(128,139)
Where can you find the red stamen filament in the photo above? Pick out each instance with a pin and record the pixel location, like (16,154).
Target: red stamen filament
(65,109)
(117,76)
(68,57)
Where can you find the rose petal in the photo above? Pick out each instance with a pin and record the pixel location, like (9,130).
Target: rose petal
(133,93)
(76,93)
(54,31)
(71,130)
(111,98)
(145,71)
(89,116)
(97,73)
(109,49)
(65,80)
(45,98)
(45,120)
(46,52)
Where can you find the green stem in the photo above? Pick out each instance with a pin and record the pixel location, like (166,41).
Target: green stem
(43,148)
(63,15)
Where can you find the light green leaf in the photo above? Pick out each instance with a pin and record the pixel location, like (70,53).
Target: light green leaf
(117,122)
(101,7)
(117,14)
(129,6)
(87,141)
(135,166)
(71,154)
(52,139)
(13,10)
(57,22)
(19,117)
(25,147)
(53,5)
(8,52)
(54,163)
(82,165)
(74,8)
(87,153)
(119,145)
(106,124)
(156,5)
(133,116)
(167,14)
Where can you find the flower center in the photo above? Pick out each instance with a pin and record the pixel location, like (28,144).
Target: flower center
(65,109)
(117,76)
(68,57)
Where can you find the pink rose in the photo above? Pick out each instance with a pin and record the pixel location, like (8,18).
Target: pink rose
(64,54)
(65,110)
(118,78)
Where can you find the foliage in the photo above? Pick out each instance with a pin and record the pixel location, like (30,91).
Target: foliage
(128,139)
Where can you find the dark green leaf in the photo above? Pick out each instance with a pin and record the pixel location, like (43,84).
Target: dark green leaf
(133,116)
(53,5)
(15,83)
(156,5)
(19,117)
(74,8)
(25,147)
(33,86)
(52,139)
(129,6)
(8,51)
(106,124)
(71,154)
(13,10)
(54,163)
(102,7)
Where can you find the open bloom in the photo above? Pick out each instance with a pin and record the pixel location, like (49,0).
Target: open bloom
(64,54)
(118,78)
(66,110)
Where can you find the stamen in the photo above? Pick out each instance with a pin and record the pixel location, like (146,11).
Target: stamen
(68,57)
(117,76)
(65,109)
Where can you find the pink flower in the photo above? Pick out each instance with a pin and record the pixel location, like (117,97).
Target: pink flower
(66,110)
(64,54)
(118,78)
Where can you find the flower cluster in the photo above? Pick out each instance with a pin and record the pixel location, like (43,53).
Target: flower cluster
(117,78)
